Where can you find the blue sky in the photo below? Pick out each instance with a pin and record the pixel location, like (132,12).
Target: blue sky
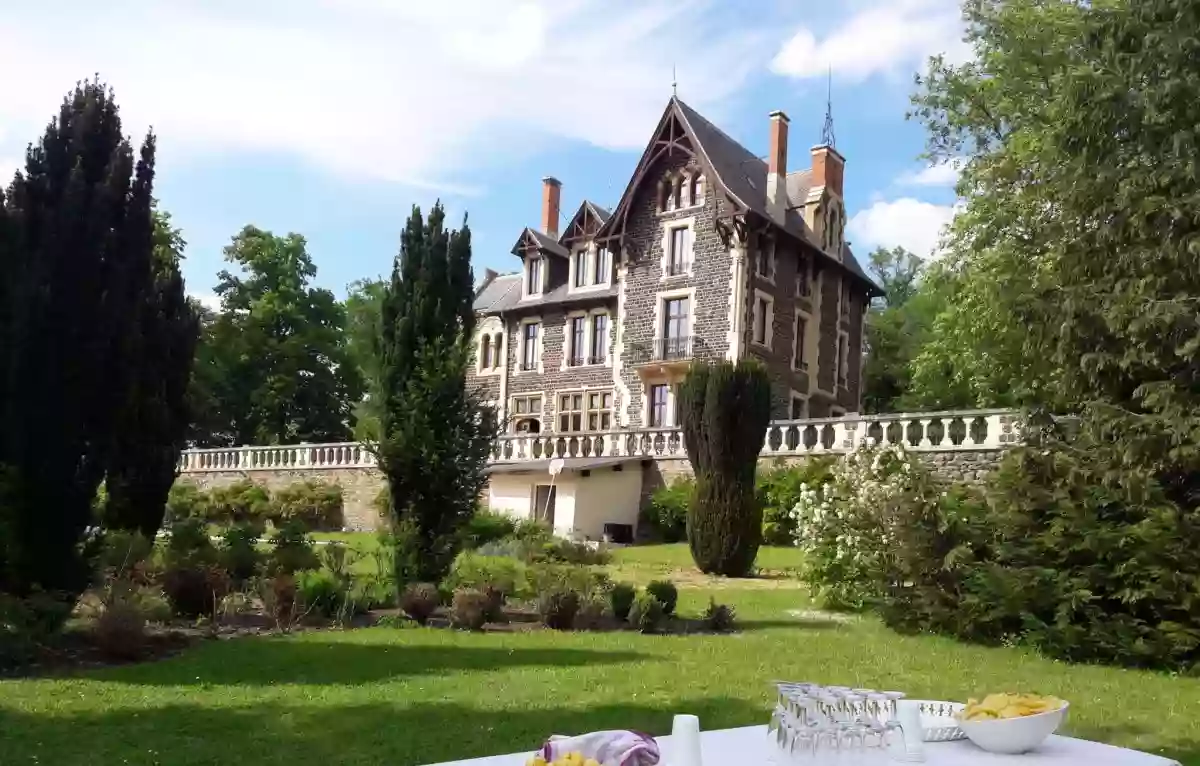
(332,117)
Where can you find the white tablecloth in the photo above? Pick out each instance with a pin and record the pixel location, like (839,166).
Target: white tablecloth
(749,746)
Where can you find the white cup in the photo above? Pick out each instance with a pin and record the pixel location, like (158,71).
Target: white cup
(908,713)
(685,741)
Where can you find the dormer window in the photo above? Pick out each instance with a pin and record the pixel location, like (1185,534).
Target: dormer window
(603,266)
(581,271)
(533,283)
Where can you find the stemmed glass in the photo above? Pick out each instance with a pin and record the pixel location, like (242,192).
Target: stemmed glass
(809,719)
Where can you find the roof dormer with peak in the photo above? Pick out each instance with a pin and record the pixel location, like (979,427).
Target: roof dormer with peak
(805,205)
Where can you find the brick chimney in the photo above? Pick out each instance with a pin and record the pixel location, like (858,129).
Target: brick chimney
(551,200)
(828,168)
(777,202)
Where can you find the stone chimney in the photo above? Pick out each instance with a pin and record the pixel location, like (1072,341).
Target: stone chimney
(828,168)
(777,202)
(551,201)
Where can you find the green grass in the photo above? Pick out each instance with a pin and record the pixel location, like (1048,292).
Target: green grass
(389,696)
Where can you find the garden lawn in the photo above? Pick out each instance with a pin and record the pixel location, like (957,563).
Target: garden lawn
(413,696)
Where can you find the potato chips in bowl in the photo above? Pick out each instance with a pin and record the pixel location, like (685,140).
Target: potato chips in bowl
(1011,723)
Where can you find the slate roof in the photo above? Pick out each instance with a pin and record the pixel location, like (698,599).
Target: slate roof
(545,242)
(602,213)
(504,293)
(498,293)
(744,175)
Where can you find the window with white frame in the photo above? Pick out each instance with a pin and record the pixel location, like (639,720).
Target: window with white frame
(529,345)
(599,345)
(696,192)
(485,352)
(526,413)
(764,311)
(580,268)
(671,202)
(800,355)
(533,281)
(766,260)
(584,411)
(497,349)
(659,397)
(679,250)
(576,338)
(603,272)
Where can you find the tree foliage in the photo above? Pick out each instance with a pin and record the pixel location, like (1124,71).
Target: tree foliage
(273,367)
(76,243)
(155,416)
(1075,269)
(434,434)
(725,410)
(896,328)
(364,308)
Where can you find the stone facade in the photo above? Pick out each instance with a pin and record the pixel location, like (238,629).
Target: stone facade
(721,284)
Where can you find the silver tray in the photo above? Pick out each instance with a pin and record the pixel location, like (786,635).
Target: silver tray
(939,721)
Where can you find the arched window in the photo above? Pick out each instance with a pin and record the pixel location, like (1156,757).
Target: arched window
(485,352)
(496,346)
(672,202)
(696,192)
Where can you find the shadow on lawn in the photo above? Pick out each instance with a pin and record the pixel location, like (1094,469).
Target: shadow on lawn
(267,662)
(275,735)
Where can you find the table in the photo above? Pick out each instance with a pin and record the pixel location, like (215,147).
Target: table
(749,746)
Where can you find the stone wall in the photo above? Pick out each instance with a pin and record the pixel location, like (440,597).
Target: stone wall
(360,486)
(965,465)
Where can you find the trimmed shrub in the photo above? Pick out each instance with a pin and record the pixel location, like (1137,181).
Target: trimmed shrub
(189,546)
(570,552)
(119,630)
(121,552)
(666,593)
(725,409)
(666,515)
(472,570)
(292,550)
(239,554)
(558,608)
(186,501)
(647,614)
(780,489)
(718,618)
(321,594)
(486,527)
(241,501)
(591,613)
(468,609)
(195,591)
(546,578)
(420,600)
(621,598)
(315,505)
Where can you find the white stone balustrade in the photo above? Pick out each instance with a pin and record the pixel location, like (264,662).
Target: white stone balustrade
(953,431)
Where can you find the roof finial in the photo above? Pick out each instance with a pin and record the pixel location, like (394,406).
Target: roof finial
(827,137)
(674,83)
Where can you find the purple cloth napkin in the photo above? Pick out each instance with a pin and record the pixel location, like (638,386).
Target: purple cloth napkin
(609,748)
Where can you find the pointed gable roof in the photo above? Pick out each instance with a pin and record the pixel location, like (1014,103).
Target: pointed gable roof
(532,240)
(586,223)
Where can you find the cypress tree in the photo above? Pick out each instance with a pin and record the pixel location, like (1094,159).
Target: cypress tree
(725,409)
(76,266)
(435,434)
(155,417)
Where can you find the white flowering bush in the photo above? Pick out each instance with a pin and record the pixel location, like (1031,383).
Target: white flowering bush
(848,526)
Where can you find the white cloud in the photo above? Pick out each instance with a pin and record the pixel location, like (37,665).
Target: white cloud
(210,301)
(942,174)
(887,37)
(391,89)
(910,223)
